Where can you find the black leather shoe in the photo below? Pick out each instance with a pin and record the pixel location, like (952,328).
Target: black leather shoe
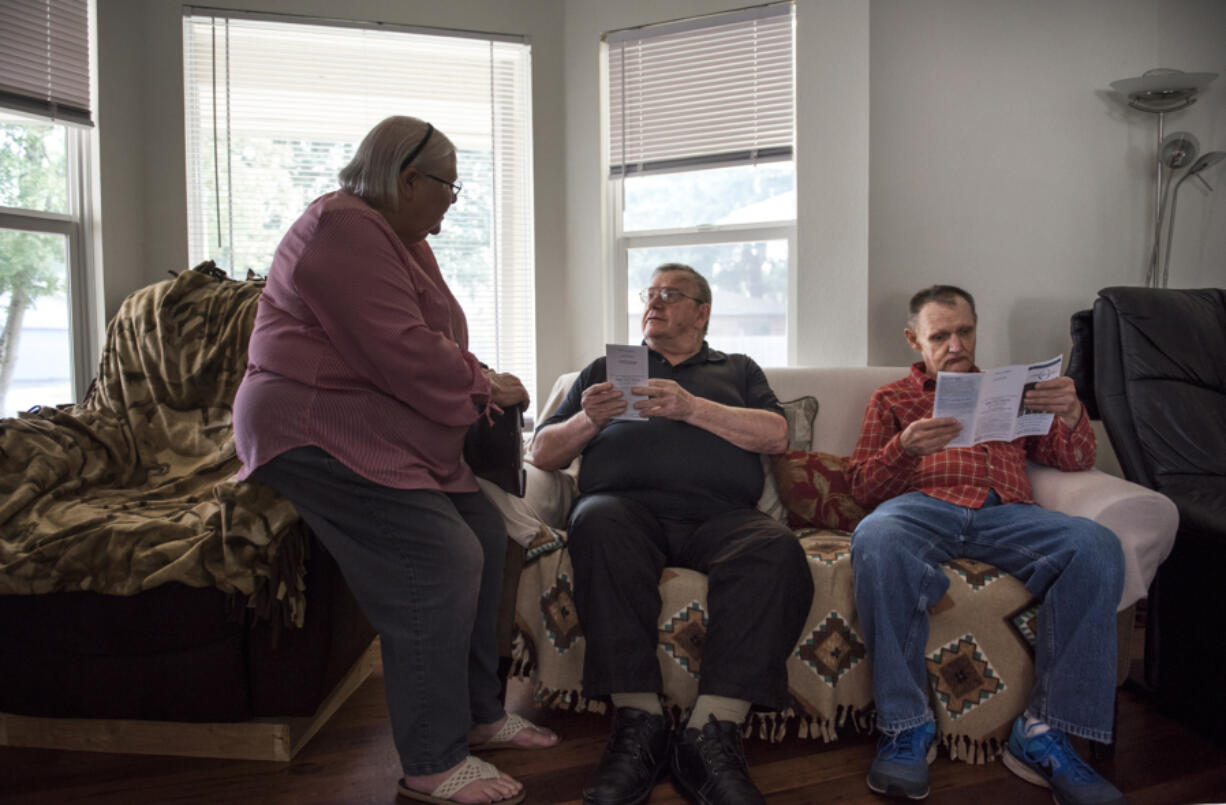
(709,766)
(635,758)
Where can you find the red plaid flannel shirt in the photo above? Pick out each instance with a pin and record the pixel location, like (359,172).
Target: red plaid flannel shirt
(880,470)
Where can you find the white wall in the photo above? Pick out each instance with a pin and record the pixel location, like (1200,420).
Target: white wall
(832,173)
(1000,162)
(964,141)
(141,137)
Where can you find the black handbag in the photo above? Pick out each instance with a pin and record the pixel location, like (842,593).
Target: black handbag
(495,450)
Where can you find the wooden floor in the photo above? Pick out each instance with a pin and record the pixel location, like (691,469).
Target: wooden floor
(352,760)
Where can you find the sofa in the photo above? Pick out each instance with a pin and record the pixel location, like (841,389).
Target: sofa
(1159,372)
(138,581)
(980,655)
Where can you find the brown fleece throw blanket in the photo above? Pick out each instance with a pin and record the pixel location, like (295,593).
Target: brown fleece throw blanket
(135,487)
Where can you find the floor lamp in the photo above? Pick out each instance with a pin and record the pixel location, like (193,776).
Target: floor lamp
(1160,91)
(1207,160)
(1177,150)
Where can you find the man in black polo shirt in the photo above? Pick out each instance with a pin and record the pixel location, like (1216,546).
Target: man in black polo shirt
(678,490)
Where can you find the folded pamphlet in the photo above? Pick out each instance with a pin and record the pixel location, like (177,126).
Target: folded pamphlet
(989,404)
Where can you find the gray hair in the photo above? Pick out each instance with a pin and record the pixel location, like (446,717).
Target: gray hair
(943,294)
(374,171)
(704,288)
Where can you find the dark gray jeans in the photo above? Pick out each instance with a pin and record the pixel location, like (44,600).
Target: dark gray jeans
(426,568)
(759,590)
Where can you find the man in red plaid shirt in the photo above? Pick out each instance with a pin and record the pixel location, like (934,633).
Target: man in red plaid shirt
(936,503)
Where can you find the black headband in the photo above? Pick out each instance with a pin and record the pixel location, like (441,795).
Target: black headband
(413,154)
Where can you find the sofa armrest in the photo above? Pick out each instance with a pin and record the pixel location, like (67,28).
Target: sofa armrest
(547,499)
(1144,520)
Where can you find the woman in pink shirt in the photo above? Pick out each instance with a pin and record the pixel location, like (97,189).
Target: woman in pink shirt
(358,392)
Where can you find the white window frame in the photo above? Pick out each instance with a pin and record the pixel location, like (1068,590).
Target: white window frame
(77,226)
(618,247)
(510,305)
(701,235)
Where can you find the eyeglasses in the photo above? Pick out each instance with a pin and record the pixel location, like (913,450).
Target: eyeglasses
(456,187)
(667,295)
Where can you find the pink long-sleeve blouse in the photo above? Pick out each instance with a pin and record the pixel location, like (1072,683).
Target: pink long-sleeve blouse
(359,348)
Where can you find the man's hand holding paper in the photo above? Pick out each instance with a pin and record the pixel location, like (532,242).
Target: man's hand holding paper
(1005,403)
(664,398)
(923,437)
(1058,396)
(602,402)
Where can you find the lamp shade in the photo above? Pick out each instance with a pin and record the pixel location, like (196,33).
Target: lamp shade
(1162,89)
(1206,161)
(1177,150)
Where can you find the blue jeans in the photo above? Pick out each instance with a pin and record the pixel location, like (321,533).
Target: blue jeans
(426,568)
(1073,565)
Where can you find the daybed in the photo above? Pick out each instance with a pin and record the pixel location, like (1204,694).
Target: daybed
(980,655)
(138,581)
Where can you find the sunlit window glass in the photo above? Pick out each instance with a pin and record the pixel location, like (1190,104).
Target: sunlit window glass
(33,165)
(749,285)
(743,194)
(35,342)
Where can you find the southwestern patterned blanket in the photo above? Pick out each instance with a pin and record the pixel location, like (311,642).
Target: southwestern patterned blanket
(134,487)
(979,655)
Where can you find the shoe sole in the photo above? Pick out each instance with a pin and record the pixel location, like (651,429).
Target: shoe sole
(896,791)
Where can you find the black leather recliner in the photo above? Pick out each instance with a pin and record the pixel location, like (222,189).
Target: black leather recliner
(1160,384)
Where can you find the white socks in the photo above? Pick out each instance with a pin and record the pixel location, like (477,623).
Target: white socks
(1033,726)
(648,702)
(722,707)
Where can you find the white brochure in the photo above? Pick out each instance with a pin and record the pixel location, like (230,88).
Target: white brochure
(989,404)
(626,367)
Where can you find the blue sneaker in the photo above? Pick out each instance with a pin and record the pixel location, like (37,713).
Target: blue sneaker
(1047,759)
(901,767)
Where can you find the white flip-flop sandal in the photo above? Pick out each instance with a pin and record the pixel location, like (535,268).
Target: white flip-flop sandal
(503,739)
(470,771)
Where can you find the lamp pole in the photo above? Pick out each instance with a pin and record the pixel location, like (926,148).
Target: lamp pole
(1159,91)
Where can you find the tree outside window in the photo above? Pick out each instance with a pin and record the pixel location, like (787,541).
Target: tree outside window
(35,353)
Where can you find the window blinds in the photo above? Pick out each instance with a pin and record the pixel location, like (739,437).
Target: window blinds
(276,106)
(44,59)
(710,91)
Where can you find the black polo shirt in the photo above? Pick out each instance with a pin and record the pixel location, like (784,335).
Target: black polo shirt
(676,469)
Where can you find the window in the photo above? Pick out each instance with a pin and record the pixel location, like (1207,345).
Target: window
(276,107)
(47,343)
(700,168)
